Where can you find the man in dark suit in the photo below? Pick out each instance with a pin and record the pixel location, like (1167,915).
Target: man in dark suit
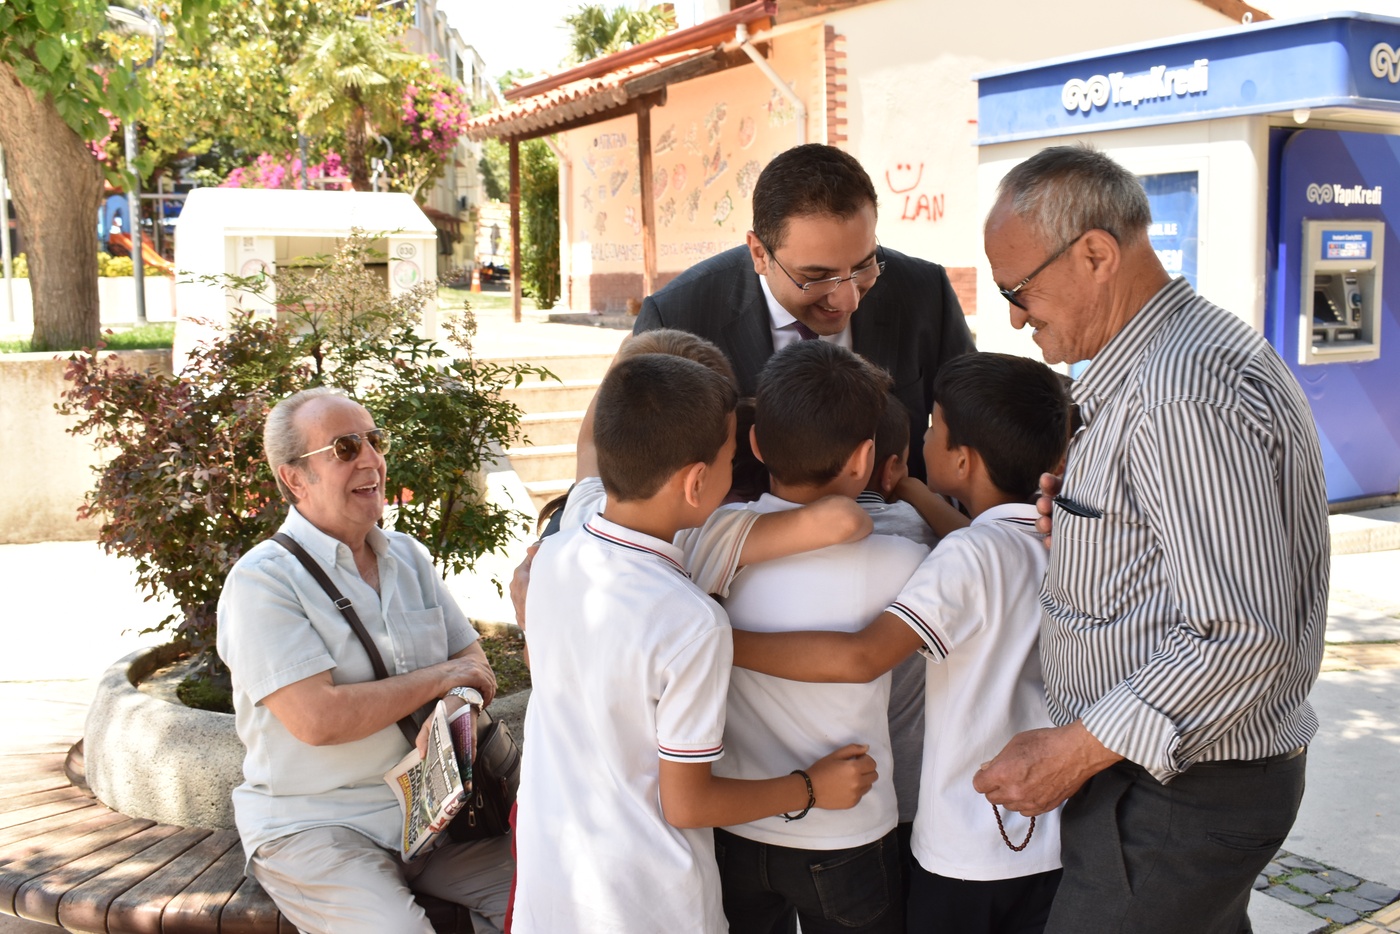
(810,263)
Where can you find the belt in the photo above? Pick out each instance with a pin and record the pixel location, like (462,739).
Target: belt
(1248,763)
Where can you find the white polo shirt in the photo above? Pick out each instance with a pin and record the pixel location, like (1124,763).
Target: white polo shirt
(630,662)
(774,725)
(976,604)
(710,553)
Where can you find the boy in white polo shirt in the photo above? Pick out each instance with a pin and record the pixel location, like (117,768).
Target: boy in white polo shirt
(630,663)
(817,410)
(973,610)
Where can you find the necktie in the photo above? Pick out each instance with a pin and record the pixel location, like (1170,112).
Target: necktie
(804,333)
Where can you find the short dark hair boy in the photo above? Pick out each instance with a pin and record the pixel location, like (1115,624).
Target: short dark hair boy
(654,414)
(1011,410)
(816,403)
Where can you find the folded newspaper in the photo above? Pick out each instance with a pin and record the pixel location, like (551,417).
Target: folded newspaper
(431,789)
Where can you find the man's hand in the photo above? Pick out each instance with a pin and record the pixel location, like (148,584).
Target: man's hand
(1039,769)
(1045,505)
(520,583)
(469,668)
(841,779)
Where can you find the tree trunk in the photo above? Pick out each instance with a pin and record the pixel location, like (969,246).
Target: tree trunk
(57,187)
(356,154)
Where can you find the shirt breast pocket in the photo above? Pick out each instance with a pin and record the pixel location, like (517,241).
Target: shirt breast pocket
(425,632)
(1070,527)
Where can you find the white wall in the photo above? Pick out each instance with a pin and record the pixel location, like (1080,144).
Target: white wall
(912,103)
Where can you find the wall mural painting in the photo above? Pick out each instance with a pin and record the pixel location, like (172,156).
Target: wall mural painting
(723,208)
(780,110)
(905,180)
(710,143)
(747,177)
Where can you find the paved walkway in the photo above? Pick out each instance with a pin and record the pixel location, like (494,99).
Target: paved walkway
(70,611)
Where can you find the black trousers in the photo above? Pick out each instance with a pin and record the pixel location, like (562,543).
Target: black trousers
(940,905)
(831,891)
(1141,857)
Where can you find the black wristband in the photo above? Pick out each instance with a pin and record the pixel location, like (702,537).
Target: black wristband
(811,797)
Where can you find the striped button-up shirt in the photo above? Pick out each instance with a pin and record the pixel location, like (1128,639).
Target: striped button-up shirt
(1185,605)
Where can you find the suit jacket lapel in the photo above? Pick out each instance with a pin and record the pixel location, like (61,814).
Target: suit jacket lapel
(748,336)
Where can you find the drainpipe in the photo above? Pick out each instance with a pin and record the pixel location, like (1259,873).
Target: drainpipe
(741,35)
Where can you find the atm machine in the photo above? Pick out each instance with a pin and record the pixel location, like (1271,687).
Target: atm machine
(1271,157)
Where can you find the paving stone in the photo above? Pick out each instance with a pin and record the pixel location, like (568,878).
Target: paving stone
(1274,869)
(1313,885)
(1285,894)
(1261,882)
(1377,892)
(1355,902)
(1337,914)
(1339,879)
(1301,862)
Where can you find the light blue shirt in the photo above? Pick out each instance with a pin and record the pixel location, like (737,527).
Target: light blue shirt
(277,626)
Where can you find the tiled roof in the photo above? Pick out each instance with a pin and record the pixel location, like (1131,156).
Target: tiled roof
(605,86)
(570,102)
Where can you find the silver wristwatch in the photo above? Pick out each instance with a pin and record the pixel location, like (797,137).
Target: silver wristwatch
(470,695)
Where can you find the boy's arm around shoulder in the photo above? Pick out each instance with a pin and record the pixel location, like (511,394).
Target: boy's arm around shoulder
(734,537)
(692,796)
(831,520)
(940,515)
(827,656)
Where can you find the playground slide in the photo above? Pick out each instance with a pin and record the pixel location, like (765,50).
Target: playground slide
(148,254)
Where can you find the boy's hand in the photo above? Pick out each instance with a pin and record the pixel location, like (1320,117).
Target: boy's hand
(1045,505)
(841,779)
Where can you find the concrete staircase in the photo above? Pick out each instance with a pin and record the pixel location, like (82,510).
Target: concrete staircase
(544,458)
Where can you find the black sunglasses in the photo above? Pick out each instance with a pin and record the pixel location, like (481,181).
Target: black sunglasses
(347,447)
(1010,294)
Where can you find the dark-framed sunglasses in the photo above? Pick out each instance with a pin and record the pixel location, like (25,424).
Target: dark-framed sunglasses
(1011,294)
(348,447)
(824,287)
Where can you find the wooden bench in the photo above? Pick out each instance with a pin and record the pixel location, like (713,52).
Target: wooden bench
(68,860)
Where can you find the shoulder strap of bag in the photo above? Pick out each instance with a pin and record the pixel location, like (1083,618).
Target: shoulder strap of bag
(347,609)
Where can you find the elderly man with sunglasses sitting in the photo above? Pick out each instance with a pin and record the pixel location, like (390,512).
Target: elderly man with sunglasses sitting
(320,827)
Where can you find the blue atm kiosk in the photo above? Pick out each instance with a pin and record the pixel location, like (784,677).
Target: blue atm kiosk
(1271,155)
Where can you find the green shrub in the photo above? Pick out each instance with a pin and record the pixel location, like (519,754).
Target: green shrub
(108,266)
(185,492)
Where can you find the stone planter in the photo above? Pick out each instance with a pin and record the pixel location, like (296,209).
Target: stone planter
(148,757)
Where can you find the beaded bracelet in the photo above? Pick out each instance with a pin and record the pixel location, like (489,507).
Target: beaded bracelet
(811,797)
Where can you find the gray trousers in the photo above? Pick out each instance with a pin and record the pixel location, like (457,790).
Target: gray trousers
(334,880)
(1141,857)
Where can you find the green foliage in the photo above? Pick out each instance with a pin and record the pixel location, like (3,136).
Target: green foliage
(494,166)
(539,230)
(349,79)
(599,31)
(186,491)
(63,50)
(244,102)
(108,266)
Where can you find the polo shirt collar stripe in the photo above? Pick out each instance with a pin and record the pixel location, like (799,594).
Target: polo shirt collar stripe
(601,528)
(1112,364)
(871,498)
(1021,516)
